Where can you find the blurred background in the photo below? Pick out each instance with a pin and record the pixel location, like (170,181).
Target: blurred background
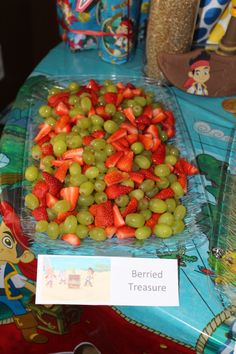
(28,30)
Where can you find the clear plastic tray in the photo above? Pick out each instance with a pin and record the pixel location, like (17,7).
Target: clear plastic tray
(195,198)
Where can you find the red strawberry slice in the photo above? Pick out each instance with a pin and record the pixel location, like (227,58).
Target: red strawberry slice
(87,140)
(131,207)
(120,133)
(71,194)
(93,209)
(61,123)
(40,213)
(40,190)
(136,177)
(47,149)
(53,183)
(153,220)
(104,215)
(61,108)
(92,111)
(152,129)
(159,155)
(183,182)
(129,127)
(115,177)
(98,134)
(188,168)
(100,110)
(125,163)
(118,218)
(148,111)
(124,232)
(61,172)
(142,121)
(116,190)
(165,193)
(93,85)
(178,168)
(170,119)
(72,153)
(120,147)
(148,174)
(110,97)
(45,139)
(132,138)
(146,140)
(62,216)
(124,141)
(50,200)
(72,239)
(158,115)
(53,100)
(45,128)
(128,93)
(130,115)
(112,160)
(110,231)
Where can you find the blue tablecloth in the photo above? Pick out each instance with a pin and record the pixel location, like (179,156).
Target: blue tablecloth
(211,130)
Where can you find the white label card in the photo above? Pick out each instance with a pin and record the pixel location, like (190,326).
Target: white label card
(107,281)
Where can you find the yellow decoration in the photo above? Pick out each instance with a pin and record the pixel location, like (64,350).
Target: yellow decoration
(219,29)
(84,17)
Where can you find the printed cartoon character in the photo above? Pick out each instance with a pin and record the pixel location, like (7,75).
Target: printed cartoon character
(66,9)
(89,277)
(199,74)
(14,255)
(122,36)
(50,276)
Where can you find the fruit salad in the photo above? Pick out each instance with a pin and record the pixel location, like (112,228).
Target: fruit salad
(103,165)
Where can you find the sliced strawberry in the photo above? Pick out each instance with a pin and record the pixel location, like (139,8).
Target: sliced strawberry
(124,141)
(148,111)
(110,231)
(136,177)
(87,140)
(61,108)
(179,170)
(59,162)
(132,138)
(40,189)
(125,163)
(119,99)
(47,149)
(188,168)
(165,193)
(148,174)
(50,200)
(158,115)
(53,100)
(118,218)
(62,216)
(110,97)
(131,207)
(71,194)
(142,121)
(53,183)
(112,160)
(131,129)
(153,220)
(128,93)
(100,110)
(98,134)
(104,215)
(120,147)
(115,177)
(152,129)
(124,232)
(45,128)
(92,111)
(183,182)
(130,115)
(159,155)
(170,120)
(72,239)
(146,140)
(156,144)
(93,85)
(61,172)
(40,213)
(93,209)
(70,154)
(116,190)
(45,139)
(120,133)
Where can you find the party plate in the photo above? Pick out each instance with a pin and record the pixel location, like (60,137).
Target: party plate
(195,200)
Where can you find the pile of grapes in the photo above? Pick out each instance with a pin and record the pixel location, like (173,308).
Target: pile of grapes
(103,166)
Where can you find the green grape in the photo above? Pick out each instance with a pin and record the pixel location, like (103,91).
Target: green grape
(53,91)
(62,206)
(84,123)
(174,151)
(45,111)
(157,206)
(170,159)
(143,232)
(111,88)
(146,213)
(100,197)
(180,212)
(47,160)
(76,111)
(85,103)
(162,170)
(51,214)
(92,172)
(135,220)
(59,137)
(137,110)
(100,156)
(128,183)
(85,201)
(74,141)
(53,230)
(86,188)
(97,234)
(59,147)
(81,179)
(50,121)
(171,204)
(31,173)
(73,86)
(73,99)
(163,183)
(130,103)
(109,149)
(152,193)
(110,108)
(101,166)
(75,169)
(142,161)
(178,189)
(36,152)
(166,218)
(110,126)
(147,185)
(88,157)
(122,200)
(143,204)
(178,227)
(162,230)
(163,135)
(97,120)
(118,117)
(82,231)
(101,100)
(99,185)
(31,201)
(172,178)
(98,144)
(140,100)
(84,217)
(41,226)
(70,224)
(137,193)
(137,147)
